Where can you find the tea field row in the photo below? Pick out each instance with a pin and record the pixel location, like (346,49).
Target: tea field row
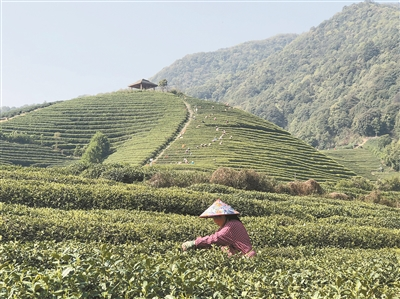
(154,269)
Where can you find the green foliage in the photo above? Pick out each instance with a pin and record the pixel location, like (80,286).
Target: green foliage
(17,137)
(392,155)
(8,112)
(166,130)
(170,178)
(137,125)
(368,123)
(328,86)
(163,84)
(392,184)
(356,182)
(160,270)
(52,189)
(97,150)
(221,136)
(225,62)
(122,226)
(27,154)
(75,237)
(365,161)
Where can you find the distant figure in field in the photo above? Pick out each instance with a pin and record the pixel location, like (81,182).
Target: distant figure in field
(231,235)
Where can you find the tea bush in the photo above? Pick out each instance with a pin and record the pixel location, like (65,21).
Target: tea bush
(160,270)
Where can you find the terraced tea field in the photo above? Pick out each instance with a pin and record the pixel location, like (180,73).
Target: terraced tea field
(29,154)
(182,133)
(361,161)
(219,135)
(145,119)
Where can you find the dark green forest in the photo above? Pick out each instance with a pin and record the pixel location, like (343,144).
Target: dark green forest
(208,75)
(333,86)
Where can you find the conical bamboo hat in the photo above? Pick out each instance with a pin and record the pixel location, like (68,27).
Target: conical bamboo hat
(218,208)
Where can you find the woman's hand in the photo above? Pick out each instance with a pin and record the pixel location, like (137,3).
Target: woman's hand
(188,245)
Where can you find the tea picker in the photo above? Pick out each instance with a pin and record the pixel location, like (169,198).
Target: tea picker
(231,235)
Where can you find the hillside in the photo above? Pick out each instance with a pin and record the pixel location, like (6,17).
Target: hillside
(361,161)
(136,123)
(204,74)
(173,131)
(329,86)
(220,135)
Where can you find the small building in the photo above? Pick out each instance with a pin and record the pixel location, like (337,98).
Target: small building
(143,84)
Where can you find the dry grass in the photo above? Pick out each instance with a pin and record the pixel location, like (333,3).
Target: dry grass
(310,187)
(338,195)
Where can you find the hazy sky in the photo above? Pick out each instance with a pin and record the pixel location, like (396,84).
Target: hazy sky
(58,50)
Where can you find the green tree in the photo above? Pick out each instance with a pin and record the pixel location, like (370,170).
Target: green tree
(98,149)
(392,155)
(163,84)
(78,151)
(368,123)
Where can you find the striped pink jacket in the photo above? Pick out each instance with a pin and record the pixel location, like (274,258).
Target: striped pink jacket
(233,237)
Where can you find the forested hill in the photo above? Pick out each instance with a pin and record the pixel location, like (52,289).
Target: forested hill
(329,86)
(204,74)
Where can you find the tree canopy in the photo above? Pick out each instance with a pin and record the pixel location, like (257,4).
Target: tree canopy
(97,150)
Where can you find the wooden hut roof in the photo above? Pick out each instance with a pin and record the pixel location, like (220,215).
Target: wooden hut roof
(143,84)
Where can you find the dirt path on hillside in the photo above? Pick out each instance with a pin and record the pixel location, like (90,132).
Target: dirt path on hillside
(191,113)
(22,114)
(365,139)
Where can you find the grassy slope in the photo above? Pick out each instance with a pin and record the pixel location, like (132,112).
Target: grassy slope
(361,161)
(141,124)
(248,142)
(127,118)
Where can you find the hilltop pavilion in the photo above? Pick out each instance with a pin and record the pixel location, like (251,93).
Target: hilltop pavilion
(143,84)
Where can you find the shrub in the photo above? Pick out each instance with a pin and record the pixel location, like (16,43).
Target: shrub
(125,173)
(225,176)
(161,180)
(337,195)
(246,179)
(117,171)
(356,182)
(165,179)
(376,197)
(282,188)
(213,188)
(98,149)
(309,187)
(392,184)
(93,171)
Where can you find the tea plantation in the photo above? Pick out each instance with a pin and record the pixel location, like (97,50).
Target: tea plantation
(72,231)
(65,236)
(171,131)
(361,161)
(136,123)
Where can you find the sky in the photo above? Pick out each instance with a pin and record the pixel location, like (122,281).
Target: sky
(59,50)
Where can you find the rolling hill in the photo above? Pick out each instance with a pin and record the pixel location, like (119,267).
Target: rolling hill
(175,132)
